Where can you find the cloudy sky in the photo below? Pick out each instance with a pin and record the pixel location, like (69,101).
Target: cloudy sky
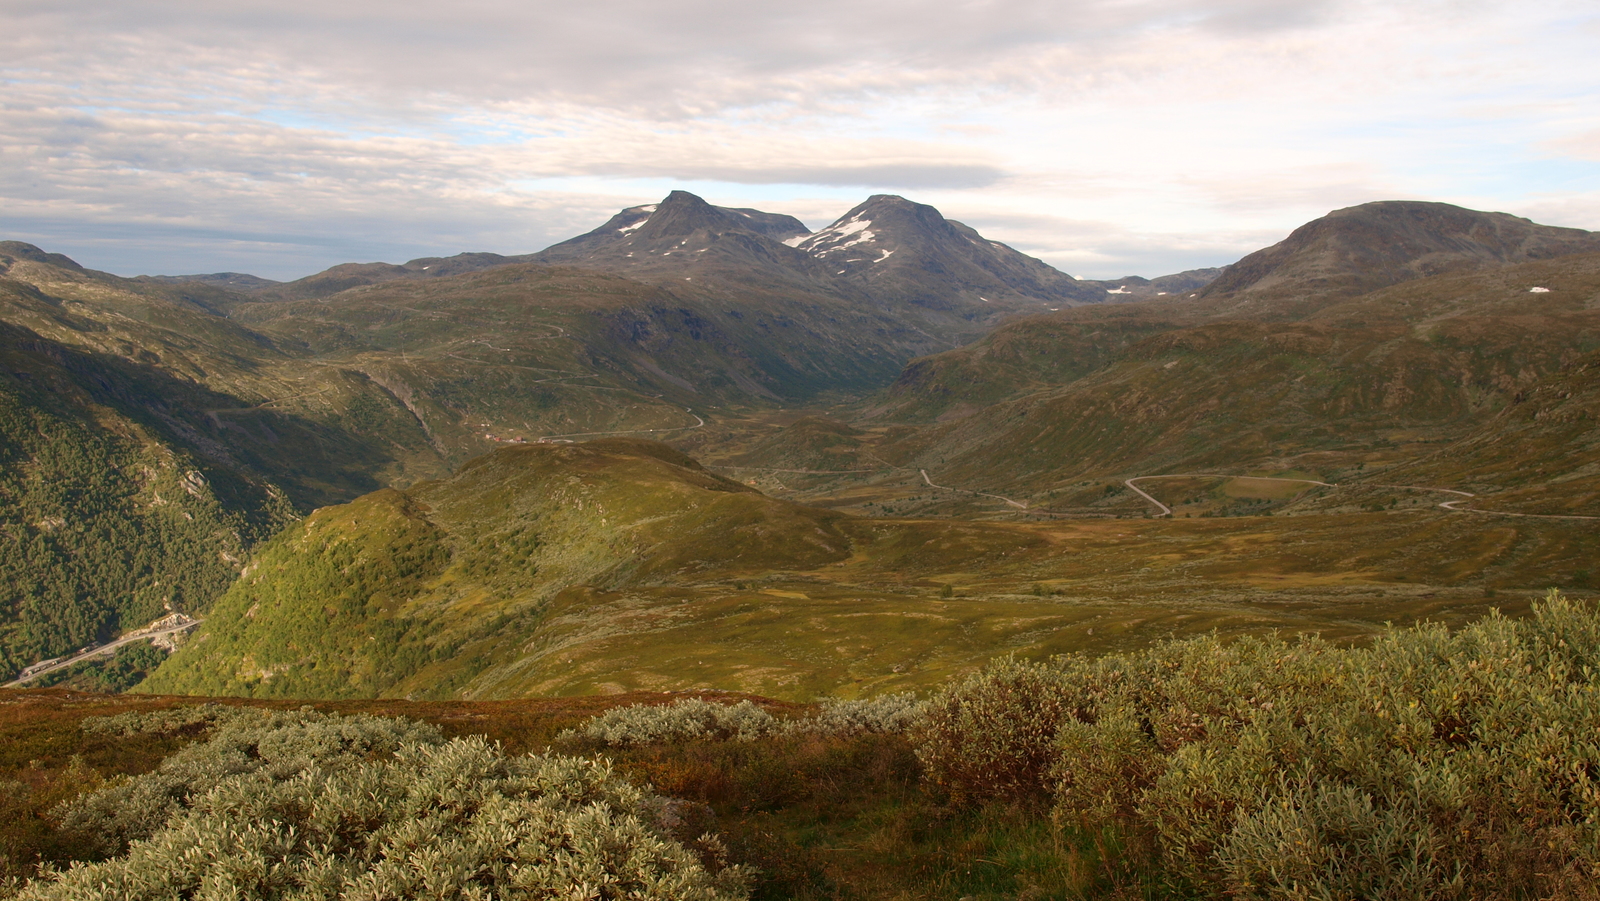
(1107,137)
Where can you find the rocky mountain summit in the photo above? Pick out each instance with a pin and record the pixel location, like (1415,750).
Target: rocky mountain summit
(898,251)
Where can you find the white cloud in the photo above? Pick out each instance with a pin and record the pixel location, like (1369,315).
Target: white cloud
(1105,135)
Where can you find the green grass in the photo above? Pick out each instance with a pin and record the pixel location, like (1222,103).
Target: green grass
(621,566)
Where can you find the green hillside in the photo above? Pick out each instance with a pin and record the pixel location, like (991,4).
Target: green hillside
(1359,385)
(421,590)
(284,406)
(623,565)
(110,518)
(142,453)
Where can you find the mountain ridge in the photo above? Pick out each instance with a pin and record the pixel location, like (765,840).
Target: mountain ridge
(1360,249)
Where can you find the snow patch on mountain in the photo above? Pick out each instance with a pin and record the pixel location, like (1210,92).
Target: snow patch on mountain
(645,212)
(839,237)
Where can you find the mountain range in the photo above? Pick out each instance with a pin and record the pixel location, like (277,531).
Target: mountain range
(155,431)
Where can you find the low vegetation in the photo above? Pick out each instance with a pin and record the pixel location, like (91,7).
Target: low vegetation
(622,565)
(1428,764)
(689,719)
(304,805)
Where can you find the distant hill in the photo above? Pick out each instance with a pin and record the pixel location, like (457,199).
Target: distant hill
(1277,375)
(642,237)
(233,281)
(1360,249)
(890,254)
(1133,287)
(922,265)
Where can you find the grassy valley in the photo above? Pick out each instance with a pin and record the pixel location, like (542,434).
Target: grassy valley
(621,565)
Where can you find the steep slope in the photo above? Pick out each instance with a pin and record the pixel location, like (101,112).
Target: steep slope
(145,446)
(448,570)
(221,389)
(1363,248)
(113,508)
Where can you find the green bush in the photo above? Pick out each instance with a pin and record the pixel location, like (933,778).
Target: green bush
(690,719)
(310,806)
(994,735)
(1429,765)
(683,720)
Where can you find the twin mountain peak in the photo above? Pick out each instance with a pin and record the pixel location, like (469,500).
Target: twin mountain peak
(895,254)
(887,247)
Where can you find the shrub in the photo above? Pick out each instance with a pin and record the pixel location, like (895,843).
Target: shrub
(1428,765)
(163,722)
(356,807)
(1326,840)
(682,720)
(994,735)
(886,715)
(280,745)
(689,719)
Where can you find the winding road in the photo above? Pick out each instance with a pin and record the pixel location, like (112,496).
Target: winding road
(1447,505)
(103,650)
(1167,511)
(1451,505)
(1018,504)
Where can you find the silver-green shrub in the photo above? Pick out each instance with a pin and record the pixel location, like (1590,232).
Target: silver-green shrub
(173,719)
(884,715)
(279,745)
(691,719)
(994,734)
(1429,765)
(1330,840)
(686,719)
(426,819)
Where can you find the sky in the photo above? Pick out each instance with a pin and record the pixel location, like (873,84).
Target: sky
(1106,137)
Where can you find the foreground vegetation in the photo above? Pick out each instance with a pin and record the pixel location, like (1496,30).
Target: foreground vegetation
(1428,764)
